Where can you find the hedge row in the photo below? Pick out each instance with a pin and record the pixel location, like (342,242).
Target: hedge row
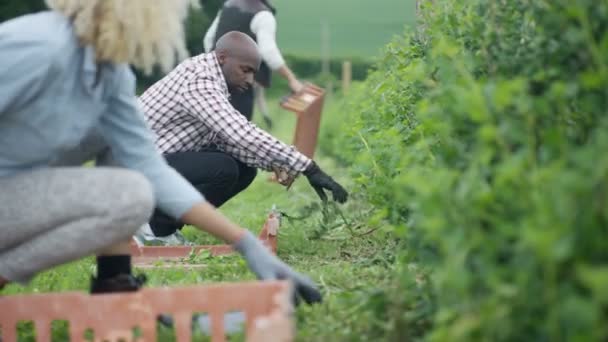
(310,67)
(307,68)
(482,141)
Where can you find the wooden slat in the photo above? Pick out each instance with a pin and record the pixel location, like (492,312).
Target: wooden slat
(149,256)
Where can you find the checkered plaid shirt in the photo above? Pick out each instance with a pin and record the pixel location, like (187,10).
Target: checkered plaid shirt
(189,110)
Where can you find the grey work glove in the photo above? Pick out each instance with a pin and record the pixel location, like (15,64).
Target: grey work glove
(319,181)
(268,267)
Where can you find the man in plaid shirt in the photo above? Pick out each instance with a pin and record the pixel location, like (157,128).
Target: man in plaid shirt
(208,141)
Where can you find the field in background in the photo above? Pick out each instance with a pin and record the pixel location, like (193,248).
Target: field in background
(357,28)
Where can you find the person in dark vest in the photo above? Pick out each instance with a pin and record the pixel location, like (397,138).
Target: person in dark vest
(256,18)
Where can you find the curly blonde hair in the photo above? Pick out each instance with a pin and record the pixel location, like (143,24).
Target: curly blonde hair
(143,33)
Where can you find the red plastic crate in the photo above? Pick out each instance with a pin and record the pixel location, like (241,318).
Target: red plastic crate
(149,256)
(112,317)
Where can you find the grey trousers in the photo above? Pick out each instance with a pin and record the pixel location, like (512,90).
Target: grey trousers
(54,215)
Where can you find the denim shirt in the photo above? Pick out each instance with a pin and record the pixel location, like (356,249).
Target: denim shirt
(52,94)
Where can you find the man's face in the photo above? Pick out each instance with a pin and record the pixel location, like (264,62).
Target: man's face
(239,71)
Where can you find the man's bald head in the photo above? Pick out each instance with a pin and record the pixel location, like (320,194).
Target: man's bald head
(237,44)
(239,57)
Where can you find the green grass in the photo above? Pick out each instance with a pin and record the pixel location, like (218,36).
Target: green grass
(358,28)
(347,264)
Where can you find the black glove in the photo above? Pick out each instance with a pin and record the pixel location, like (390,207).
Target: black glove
(319,181)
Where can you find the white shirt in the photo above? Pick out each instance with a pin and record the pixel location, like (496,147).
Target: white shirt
(264,26)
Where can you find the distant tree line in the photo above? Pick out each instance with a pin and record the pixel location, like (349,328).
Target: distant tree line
(196,25)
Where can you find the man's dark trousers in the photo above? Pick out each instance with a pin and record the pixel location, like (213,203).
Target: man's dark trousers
(215,174)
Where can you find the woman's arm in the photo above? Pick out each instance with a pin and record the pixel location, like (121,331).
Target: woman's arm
(294,84)
(264,26)
(204,216)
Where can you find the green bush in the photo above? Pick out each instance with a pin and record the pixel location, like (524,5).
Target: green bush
(11,9)
(483,141)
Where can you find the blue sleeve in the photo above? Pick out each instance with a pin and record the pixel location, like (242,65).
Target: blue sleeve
(25,67)
(132,144)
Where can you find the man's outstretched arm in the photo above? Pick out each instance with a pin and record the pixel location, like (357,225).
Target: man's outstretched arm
(250,144)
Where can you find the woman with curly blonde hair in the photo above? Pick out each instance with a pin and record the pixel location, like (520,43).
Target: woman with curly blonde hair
(67,94)
(140,32)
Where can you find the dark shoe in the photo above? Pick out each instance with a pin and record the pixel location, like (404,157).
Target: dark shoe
(124,283)
(119,283)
